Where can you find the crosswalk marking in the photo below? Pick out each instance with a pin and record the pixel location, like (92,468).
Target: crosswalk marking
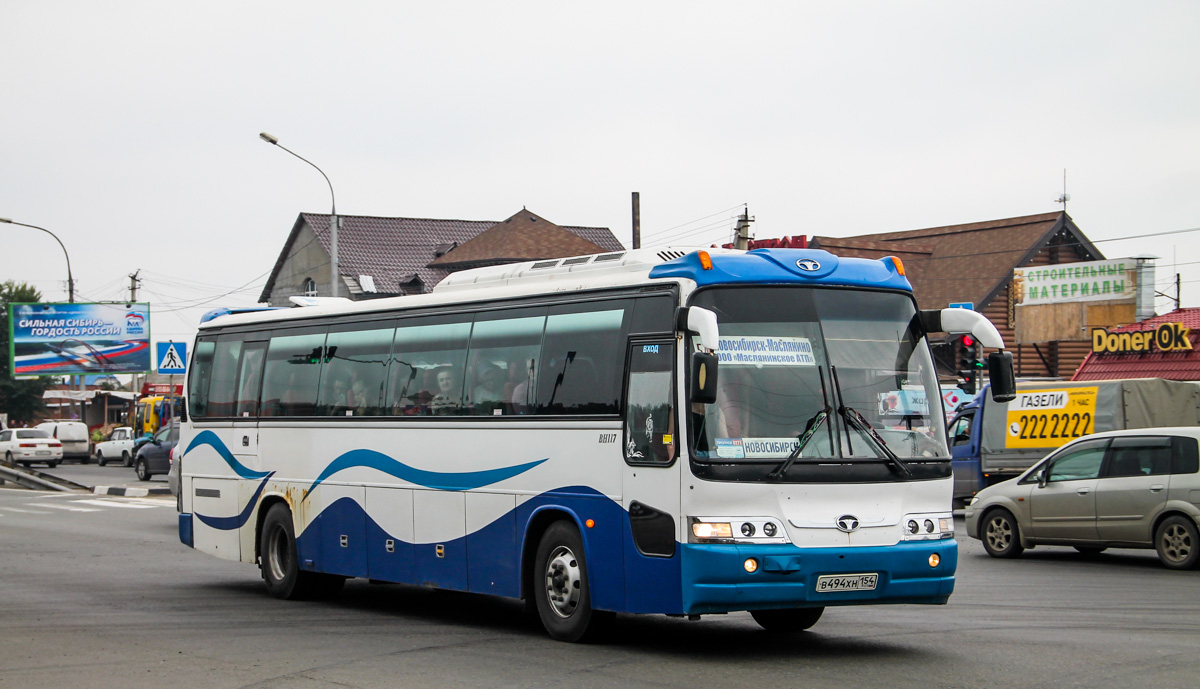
(62,507)
(114,503)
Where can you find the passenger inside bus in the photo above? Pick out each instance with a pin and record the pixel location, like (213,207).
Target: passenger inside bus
(448,399)
(488,395)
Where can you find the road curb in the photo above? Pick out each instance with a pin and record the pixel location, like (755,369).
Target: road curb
(130,492)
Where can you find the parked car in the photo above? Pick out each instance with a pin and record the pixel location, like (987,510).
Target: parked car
(28,445)
(154,456)
(118,445)
(1116,489)
(76,443)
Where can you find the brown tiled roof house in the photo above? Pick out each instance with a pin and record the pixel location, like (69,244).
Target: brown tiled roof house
(382,257)
(974,263)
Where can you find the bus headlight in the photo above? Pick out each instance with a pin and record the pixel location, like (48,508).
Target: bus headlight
(712,530)
(736,530)
(927,527)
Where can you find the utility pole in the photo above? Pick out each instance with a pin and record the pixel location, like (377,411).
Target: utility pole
(637,220)
(133,287)
(743,230)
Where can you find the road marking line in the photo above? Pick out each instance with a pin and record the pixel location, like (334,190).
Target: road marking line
(17,509)
(68,508)
(114,503)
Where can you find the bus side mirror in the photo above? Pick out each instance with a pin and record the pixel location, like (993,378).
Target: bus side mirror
(702,379)
(1000,371)
(183,409)
(701,321)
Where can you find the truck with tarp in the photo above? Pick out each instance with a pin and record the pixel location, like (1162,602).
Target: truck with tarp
(994,441)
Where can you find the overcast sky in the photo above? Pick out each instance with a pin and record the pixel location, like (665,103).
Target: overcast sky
(130,129)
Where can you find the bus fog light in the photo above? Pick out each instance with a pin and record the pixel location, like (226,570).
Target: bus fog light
(751,565)
(935,560)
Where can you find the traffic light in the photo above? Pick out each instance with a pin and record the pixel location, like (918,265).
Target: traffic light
(968,363)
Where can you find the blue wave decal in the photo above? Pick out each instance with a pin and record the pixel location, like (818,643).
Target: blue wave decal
(436,480)
(236,521)
(209,438)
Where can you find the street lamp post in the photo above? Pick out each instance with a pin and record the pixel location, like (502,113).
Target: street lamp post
(70,280)
(333,247)
(70,298)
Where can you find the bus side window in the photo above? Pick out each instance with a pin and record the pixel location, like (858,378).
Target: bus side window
(423,349)
(582,356)
(222,392)
(250,378)
(201,374)
(649,413)
(293,371)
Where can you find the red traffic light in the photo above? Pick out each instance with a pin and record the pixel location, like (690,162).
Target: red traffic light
(968,341)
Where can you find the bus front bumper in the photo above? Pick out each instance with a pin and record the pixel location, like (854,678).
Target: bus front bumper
(717,578)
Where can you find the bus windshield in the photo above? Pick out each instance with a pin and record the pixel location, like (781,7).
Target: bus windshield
(852,363)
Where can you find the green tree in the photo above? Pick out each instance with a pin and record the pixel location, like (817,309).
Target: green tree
(22,399)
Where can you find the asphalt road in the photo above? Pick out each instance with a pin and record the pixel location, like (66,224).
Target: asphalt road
(111,474)
(108,597)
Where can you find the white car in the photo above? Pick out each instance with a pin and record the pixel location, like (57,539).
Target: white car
(76,443)
(118,446)
(28,445)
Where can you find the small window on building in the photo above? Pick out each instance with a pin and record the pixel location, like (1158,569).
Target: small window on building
(310,287)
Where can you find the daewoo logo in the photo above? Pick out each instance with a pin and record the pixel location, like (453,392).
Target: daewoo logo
(808,265)
(847,523)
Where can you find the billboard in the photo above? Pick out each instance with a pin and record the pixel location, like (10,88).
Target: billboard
(1114,280)
(70,339)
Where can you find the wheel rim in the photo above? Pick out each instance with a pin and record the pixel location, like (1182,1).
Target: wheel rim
(1176,543)
(564,582)
(999,533)
(277,554)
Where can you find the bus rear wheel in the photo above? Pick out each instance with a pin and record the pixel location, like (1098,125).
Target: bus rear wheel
(787,621)
(281,564)
(560,587)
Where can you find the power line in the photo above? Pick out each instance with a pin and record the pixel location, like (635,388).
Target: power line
(669,229)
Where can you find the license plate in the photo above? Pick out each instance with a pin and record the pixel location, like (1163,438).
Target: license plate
(847,582)
(43,452)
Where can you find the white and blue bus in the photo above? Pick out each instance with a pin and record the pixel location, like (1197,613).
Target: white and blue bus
(654,431)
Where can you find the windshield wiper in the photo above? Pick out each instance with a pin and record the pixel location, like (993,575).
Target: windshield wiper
(809,431)
(862,425)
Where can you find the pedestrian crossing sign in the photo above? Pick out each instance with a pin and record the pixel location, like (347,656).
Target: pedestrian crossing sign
(172,357)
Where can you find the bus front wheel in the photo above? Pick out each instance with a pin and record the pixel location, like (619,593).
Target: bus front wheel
(560,587)
(785,621)
(281,564)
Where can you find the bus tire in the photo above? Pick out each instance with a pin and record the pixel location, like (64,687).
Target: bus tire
(560,587)
(281,563)
(787,621)
(126,459)
(1000,534)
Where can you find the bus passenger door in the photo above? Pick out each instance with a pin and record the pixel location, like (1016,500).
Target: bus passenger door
(650,481)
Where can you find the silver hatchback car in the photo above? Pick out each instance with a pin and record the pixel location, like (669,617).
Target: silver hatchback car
(1121,489)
